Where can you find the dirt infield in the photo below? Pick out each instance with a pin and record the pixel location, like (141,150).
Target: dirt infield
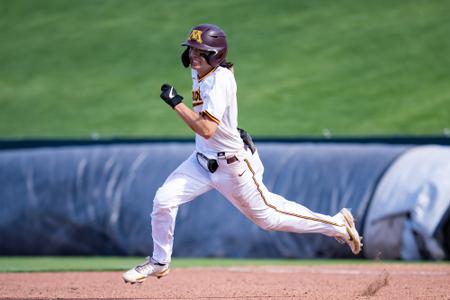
(365,281)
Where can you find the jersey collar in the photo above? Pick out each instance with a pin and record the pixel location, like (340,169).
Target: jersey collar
(207,74)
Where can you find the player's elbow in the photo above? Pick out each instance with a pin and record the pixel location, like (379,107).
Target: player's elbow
(208,133)
(207,136)
(208,130)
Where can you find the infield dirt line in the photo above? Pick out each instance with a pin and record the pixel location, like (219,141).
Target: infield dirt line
(158,298)
(327,271)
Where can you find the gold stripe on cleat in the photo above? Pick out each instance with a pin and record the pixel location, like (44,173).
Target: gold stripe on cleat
(163,273)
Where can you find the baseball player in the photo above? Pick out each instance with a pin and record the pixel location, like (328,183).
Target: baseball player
(224,159)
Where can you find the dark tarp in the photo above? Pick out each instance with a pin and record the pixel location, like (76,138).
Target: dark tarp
(96,200)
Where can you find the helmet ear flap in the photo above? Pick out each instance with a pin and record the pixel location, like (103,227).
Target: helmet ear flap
(185,58)
(209,58)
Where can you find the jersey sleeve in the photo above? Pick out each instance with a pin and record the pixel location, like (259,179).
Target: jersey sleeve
(215,100)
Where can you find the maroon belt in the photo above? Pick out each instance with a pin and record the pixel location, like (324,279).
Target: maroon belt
(232,159)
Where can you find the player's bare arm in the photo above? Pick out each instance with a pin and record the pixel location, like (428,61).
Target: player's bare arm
(200,124)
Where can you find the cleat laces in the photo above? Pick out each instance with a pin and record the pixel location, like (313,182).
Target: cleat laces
(148,267)
(145,268)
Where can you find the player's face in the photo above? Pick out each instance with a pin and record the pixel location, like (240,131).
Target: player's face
(198,60)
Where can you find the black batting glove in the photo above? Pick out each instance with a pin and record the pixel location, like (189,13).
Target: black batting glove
(170,96)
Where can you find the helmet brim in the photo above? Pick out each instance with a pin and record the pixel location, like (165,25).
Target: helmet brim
(196,45)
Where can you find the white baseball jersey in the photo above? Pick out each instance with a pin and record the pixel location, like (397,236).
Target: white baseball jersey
(214,96)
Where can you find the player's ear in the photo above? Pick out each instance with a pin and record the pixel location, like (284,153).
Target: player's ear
(185,58)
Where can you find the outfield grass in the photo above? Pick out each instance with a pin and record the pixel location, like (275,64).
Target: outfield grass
(51,264)
(92,263)
(77,68)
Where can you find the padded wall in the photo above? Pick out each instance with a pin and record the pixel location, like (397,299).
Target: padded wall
(96,200)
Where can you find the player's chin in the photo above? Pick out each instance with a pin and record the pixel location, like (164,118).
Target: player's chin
(196,64)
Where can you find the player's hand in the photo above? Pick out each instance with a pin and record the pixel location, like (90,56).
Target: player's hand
(170,96)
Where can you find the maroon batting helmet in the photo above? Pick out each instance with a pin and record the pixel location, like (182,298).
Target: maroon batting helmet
(210,38)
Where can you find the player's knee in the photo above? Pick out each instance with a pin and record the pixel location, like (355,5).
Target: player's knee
(160,207)
(266,223)
(162,200)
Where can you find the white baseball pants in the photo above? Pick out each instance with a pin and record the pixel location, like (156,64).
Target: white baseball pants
(241,183)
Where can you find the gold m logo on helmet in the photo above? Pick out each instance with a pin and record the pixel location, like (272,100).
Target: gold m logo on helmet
(196,35)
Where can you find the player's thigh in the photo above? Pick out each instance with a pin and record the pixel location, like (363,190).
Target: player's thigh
(240,184)
(257,165)
(185,183)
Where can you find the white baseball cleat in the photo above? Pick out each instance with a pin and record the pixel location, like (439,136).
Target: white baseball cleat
(150,268)
(353,239)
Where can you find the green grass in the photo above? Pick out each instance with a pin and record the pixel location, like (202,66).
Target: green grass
(74,68)
(52,264)
(69,264)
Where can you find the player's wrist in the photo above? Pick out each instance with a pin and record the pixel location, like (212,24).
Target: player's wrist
(175,101)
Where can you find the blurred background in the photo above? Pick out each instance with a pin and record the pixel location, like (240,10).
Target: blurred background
(77,68)
(349,103)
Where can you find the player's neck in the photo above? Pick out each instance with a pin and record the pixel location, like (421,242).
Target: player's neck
(202,72)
